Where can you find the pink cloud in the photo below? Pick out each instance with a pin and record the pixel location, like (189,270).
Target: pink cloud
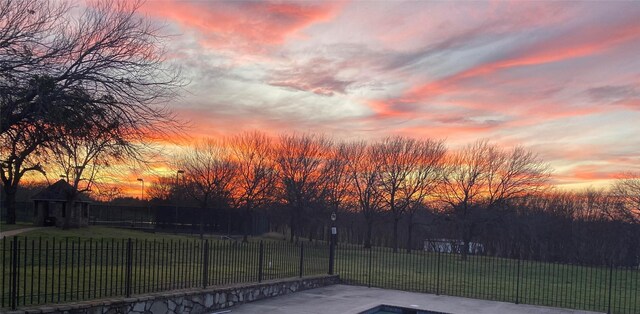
(248,26)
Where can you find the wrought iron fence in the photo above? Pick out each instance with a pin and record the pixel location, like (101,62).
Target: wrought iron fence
(597,288)
(41,271)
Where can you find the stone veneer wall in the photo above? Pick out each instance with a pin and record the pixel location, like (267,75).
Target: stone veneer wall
(190,301)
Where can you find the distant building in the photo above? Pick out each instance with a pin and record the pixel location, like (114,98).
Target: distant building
(61,206)
(451,246)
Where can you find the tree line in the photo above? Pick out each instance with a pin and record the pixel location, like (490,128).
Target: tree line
(399,191)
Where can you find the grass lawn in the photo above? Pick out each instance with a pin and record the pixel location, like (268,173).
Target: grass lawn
(100,232)
(490,278)
(21,225)
(78,264)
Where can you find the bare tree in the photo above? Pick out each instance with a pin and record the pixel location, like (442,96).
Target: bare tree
(255,176)
(626,194)
(208,173)
(162,188)
(63,71)
(481,176)
(301,162)
(408,170)
(108,193)
(337,180)
(363,169)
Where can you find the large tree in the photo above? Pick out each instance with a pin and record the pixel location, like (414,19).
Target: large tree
(482,178)
(255,176)
(363,168)
(301,161)
(626,194)
(208,174)
(408,169)
(64,73)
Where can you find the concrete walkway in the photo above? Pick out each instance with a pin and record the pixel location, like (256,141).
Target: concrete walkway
(343,299)
(17,231)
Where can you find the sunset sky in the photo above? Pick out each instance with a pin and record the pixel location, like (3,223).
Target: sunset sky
(562,78)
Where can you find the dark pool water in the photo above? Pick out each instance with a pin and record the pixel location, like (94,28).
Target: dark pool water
(388,309)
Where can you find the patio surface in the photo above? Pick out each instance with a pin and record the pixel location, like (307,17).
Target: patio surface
(343,299)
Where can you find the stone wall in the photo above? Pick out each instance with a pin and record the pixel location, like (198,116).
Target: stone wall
(190,301)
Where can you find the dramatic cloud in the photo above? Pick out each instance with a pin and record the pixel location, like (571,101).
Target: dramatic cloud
(560,77)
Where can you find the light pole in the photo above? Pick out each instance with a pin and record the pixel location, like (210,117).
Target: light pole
(180,171)
(175,214)
(332,245)
(142,189)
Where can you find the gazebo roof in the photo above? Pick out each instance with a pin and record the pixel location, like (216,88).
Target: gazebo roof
(59,191)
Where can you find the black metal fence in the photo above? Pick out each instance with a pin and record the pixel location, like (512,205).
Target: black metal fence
(604,289)
(48,270)
(40,271)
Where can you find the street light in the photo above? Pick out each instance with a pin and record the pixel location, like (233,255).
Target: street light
(142,191)
(178,173)
(175,213)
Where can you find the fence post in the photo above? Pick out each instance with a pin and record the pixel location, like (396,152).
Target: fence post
(518,282)
(260,261)
(127,279)
(205,264)
(610,287)
(438,274)
(14,273)
(301,259)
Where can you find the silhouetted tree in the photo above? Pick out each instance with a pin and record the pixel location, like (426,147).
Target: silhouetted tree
(481,177)
(253,186)
(63,72)
(208,173)
(408,169)
(301,161)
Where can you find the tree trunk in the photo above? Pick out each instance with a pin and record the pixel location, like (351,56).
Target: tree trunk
(409,234)
(11,205)
(292,227)
(466,238)
(367,240)
(248,215)
(395,234)
(202,210)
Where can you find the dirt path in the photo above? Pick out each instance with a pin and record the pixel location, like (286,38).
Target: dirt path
(17,231)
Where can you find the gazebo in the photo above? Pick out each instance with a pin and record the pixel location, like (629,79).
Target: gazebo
(62,206)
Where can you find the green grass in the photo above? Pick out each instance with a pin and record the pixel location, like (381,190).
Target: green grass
(4,227)
(491,278)
(96,257)
(70,267)
(100,232)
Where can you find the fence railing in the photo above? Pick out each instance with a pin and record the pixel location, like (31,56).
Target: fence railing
(49,270)
(602,289)
(41,271)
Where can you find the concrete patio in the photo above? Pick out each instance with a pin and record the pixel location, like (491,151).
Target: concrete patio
(343,299)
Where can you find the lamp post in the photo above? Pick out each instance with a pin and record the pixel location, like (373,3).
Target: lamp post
(332,245)
(179,172)
(175,214)
(142,189)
